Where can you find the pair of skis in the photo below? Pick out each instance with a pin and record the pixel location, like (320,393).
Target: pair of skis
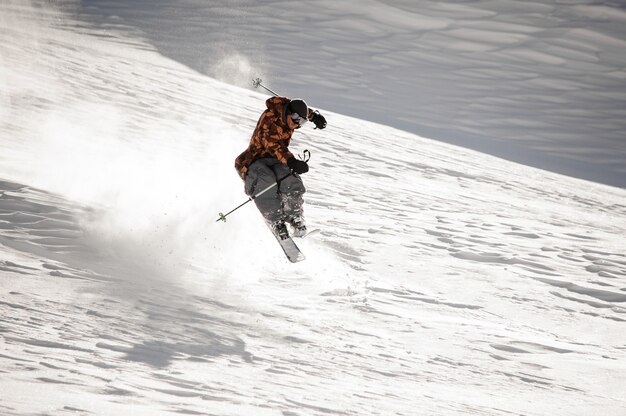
(291,250)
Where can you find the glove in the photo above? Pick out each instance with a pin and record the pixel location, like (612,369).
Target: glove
(318,120)
(298,166)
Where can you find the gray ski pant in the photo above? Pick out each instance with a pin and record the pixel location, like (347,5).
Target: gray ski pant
(281,202)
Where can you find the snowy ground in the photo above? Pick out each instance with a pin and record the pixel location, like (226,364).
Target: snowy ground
(539,82)
(443,282)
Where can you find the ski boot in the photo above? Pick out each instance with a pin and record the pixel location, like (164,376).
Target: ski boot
(280,229)
(298,225)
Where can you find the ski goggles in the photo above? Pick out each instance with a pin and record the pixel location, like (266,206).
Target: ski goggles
(298,119)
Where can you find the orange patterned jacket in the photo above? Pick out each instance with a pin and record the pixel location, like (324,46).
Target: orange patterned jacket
(271,136)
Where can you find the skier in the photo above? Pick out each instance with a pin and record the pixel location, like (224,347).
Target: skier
(268,158)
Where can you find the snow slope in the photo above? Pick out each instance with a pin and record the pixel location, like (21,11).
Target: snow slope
(444,281)
(538,82)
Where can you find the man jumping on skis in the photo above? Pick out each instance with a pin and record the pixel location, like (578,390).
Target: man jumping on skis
(268,158)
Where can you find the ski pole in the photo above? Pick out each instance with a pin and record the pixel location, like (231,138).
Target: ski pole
(256,83)
(223,216)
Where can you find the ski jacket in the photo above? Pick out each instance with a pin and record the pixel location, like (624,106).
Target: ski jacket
(271,137)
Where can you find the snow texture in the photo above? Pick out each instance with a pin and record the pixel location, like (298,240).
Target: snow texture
(443,281)
(540,82)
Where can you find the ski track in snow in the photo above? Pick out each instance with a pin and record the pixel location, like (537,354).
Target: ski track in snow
(443,281)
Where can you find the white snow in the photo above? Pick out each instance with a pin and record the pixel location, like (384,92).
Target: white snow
(456,71)
(444,281)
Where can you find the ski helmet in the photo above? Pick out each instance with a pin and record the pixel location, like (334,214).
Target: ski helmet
(298,106)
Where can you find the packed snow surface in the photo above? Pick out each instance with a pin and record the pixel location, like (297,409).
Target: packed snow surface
(538,82)
(443,281)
